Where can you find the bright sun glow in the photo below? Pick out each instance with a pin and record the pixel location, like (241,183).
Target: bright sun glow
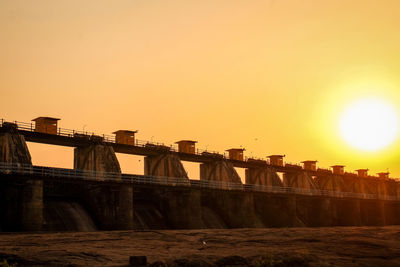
(369,124)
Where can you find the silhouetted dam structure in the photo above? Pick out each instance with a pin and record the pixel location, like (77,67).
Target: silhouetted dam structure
(96,195)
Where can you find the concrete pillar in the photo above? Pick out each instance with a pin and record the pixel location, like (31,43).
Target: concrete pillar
(111,206)
(276,210)
(182,208)
(382,212)
(299,180)
(373,212)
(32,205)
(385,188)
(21,205)
(166,165)
(354,184)
(262,176)
(390,187)
(348,211)
(220,171)
(236,208)
(370,186)
(124,208)
(330,182)
(96,157)
(13,148)
(314,211)
(398,190)
(28,197)
(392,212)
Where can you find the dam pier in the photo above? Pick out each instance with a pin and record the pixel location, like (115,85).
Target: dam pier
(96,195)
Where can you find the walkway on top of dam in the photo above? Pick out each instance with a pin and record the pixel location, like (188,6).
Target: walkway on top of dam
(74,138)
(71,175)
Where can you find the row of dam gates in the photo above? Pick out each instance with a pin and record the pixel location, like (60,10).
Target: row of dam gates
(95,195)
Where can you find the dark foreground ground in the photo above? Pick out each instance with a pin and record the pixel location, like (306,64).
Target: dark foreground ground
(334,246)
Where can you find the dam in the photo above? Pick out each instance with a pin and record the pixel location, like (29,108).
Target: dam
(96,195)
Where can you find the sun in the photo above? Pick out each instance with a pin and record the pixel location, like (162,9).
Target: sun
(369,124)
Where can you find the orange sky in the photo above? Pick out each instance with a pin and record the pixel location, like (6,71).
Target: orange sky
(271,76)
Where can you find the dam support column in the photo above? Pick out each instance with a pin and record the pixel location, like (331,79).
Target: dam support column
(110,206)
(166,165)
(13,148)
(348,212)
(300,179)
(222,172)
(96,157)
(262,176)
(276,210)
(22,200)
(388,189)
(372,212)
(180,205)
(124,209)
(330,182)
(235,206)
(21,205)
(32,206)
(392,212)
(182,208)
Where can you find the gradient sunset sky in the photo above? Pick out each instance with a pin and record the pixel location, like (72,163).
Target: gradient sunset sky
(270,76)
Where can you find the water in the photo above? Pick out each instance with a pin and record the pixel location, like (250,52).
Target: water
(67,216)
(148,217)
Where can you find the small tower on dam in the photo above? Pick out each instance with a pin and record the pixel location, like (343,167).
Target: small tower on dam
(125,137)
(276,160)
(338,169)
(187,146)
(236,153)
(46,125)
(383,175)
(310,165)
(362,173)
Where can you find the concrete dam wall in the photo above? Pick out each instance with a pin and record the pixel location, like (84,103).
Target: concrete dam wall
(73,207)
(30,203)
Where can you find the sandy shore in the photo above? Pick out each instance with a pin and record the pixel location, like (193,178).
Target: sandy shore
(334,246)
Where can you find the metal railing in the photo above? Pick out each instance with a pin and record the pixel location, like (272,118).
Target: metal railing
(86,175)
(110,138)
(150,144)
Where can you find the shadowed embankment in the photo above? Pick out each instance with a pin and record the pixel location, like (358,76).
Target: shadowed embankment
(333,246)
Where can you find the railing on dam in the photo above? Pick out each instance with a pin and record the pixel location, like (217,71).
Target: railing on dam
(30,127)
(85,175)
(26,126)
(79,135)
